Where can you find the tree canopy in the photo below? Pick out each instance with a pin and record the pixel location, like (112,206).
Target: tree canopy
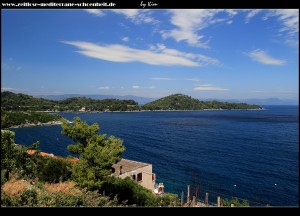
(185,102)
(97,152)
(15,157)
(21,102)
(17,118)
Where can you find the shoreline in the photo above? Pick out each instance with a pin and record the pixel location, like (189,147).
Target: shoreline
(50,123)
(77,112)
(37,124)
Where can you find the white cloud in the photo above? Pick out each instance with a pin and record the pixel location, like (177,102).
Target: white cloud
(6,89)
(157,55)
(192,79)
(136,87)
(289,19)
(151,87)
(288,22)
(137,16)
(103,87)
(251,14)
(208,87)
(126,39)
(12,89)
(134,15)
(262,57)
(161,78)
(96,12)
(189,22)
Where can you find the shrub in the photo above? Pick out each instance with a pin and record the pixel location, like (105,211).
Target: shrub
(235,202)
(54,170)
(3,178)
(28,198)
(128,192)
(8,200)
(168,199)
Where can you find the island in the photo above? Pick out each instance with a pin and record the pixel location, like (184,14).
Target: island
(185,102)
(16,119)
(21,110)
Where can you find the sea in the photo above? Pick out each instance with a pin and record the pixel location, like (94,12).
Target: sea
(252,155)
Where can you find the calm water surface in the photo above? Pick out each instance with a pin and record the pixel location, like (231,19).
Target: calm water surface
(243,153)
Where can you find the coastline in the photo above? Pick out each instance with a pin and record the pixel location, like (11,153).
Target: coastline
(50,123)
(133,111)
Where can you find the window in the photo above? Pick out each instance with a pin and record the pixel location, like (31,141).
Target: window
(133,177)
(139,177)
(153,177)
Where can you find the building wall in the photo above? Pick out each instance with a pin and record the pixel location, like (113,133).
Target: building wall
(146,176)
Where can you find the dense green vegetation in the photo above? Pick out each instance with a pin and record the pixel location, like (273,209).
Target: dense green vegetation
(184,102)
(33,180)
(97,153)
(20,102)
(234,201)
(18,118)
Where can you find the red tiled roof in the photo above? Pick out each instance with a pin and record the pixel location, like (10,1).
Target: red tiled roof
(44,154)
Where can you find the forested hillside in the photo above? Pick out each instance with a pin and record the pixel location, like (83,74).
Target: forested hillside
(184,102)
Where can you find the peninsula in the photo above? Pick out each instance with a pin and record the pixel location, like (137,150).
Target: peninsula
(22,102)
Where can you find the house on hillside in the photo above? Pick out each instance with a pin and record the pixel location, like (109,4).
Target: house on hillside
(82,109)
(138,171)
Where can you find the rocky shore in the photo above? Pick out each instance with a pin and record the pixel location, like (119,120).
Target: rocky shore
(37,124)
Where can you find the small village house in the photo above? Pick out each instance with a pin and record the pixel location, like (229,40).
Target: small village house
(138,171)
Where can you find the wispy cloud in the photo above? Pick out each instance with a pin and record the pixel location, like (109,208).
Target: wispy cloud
(96,12)
(125,39)
(262,57)
(12,89)
(289,19)
(10,67)
(137,16)
(208,87)
(189,22)
(104,87)
(134,15)
(288,22)
(154,56)
(162,78)
(251,14)
(6,89)
(136,87)
(192,79)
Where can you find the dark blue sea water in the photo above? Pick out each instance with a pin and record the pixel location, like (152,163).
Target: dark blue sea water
(232,153)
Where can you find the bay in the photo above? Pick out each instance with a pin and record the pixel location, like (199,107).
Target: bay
(249,154)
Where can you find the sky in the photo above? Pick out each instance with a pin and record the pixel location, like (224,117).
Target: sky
(204,53)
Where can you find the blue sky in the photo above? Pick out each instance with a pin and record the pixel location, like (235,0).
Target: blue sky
(222,54)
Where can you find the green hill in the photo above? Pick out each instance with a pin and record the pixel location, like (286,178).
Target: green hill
(185,102)
(22,102)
